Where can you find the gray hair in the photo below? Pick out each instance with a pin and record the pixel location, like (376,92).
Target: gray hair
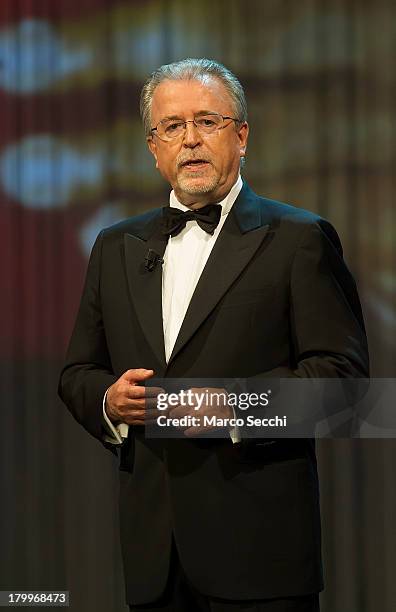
(192,69)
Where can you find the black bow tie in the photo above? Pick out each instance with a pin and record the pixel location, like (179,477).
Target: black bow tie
(174,220)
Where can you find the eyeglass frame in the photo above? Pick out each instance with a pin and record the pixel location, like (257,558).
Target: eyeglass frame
(224,117)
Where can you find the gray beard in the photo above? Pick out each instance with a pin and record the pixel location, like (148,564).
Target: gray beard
(195,188)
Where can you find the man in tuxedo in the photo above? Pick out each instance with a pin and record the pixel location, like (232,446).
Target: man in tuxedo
(221,283)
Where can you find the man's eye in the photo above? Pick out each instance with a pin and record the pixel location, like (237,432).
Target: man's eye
(206,122)
(172,127)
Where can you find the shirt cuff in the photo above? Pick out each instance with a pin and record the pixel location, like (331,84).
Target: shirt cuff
(235,433)
(116,433)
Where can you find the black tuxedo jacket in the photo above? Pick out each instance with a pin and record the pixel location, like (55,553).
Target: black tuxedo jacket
(275,299)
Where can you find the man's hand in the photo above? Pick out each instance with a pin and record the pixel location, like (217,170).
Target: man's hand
(216,405)
(128,402)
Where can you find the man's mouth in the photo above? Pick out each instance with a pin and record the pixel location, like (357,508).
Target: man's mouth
(194,164)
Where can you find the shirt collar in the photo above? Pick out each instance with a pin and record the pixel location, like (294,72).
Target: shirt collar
(225,204)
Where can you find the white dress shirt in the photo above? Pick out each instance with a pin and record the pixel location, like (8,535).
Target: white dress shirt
(184,260)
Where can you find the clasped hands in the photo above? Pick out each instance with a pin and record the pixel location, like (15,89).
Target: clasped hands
(128,401)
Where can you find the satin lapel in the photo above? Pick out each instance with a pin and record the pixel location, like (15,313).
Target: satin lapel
(230,255)
(146,288)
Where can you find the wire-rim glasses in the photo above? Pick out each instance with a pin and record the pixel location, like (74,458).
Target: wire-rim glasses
(168,129)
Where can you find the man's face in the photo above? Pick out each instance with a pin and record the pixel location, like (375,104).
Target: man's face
(214,158)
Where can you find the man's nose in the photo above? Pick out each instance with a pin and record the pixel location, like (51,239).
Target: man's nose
(192,137)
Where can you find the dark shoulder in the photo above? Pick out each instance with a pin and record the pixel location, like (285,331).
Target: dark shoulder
(297,221)
(287,212)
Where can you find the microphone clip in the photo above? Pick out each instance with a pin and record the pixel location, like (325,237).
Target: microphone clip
(152,260)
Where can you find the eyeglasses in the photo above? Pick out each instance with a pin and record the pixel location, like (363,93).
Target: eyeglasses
(168,129)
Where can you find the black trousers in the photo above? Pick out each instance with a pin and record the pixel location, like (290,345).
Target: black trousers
(181,596)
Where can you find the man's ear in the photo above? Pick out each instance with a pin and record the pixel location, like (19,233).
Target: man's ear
(243,133)
(153,149)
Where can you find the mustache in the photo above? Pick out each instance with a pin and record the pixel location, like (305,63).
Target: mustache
(184,159)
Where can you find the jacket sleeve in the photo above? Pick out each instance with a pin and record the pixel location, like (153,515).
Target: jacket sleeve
(326,319)
(88,372)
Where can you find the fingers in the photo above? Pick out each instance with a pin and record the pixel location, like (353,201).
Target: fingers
(128,402)
(177,412)
(194,431)
(137,375)
(140,403)
(137,392)
(153,391)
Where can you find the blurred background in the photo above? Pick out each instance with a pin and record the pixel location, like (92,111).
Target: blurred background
(320,81)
